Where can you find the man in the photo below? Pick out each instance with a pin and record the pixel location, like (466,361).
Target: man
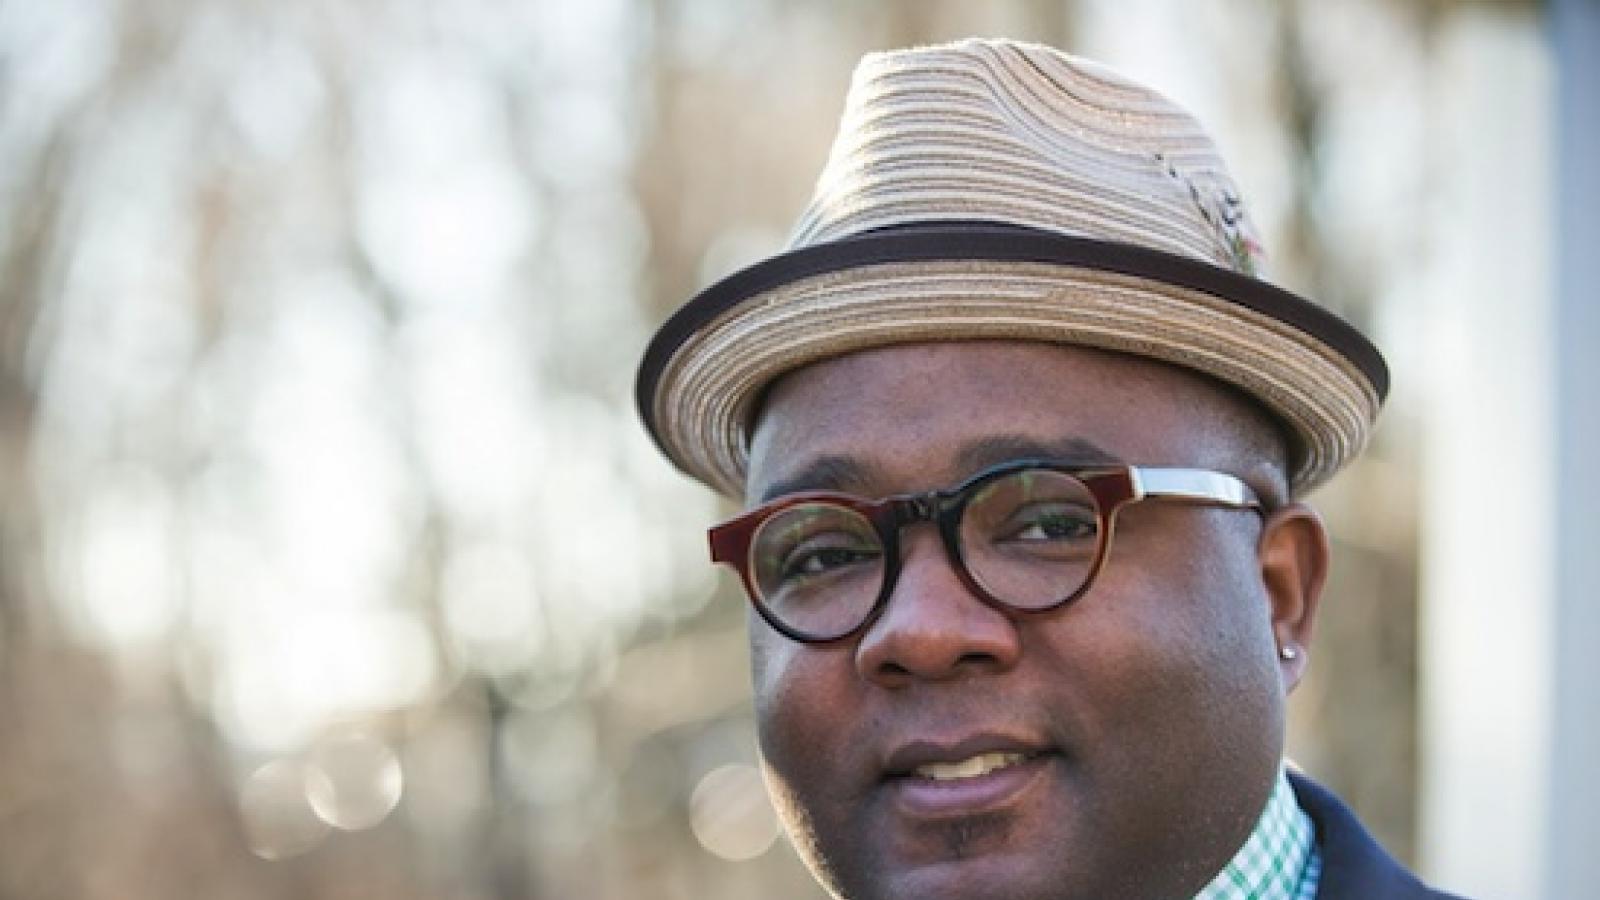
(1020,432)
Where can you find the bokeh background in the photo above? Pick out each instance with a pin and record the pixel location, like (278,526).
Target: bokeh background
(334,564)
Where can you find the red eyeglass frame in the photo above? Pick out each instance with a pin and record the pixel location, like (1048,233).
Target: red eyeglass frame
(1112,487)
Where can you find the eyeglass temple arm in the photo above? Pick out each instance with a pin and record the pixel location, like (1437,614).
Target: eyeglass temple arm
(1194,485)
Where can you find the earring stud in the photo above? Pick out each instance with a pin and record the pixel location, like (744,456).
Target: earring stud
(1288,652)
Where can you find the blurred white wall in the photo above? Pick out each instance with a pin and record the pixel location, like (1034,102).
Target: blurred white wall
(1572,867)
(1509,493)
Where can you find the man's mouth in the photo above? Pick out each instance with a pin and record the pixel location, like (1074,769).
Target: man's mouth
(970,756)
(931,780)
(972,767)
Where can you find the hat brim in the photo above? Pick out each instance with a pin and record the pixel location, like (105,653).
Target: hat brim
(709,364)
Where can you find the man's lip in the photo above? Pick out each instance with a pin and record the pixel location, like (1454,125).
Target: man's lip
(904,758)
(927,800)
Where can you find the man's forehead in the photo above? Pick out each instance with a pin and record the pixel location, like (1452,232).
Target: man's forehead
(913,417)
(900,380)
(825,471)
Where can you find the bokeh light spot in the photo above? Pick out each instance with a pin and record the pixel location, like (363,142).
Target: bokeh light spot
(278,822)
(353,781)
(730,813)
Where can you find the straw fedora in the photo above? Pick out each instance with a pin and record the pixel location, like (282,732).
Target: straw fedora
(999,190)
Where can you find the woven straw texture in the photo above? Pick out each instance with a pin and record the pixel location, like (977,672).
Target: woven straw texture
(1024,134)
(990,131)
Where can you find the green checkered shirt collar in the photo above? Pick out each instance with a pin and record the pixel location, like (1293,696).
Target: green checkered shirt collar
(1279,861)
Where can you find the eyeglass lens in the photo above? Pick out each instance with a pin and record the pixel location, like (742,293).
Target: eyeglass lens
(1028,538)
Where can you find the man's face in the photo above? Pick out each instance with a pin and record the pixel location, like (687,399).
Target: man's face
(1149,713)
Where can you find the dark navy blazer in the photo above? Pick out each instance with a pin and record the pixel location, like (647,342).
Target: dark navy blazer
(1354,867)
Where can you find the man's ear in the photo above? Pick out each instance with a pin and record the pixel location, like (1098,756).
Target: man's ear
(1294,567)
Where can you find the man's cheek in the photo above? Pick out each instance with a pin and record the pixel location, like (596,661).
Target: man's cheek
(802,780)
(790,705)
(778,680)
(773,658)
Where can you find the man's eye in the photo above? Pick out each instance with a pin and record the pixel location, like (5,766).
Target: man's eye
(1053,524)
(813,559)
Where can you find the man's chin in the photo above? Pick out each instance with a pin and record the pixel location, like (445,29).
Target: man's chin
(1000,876)
(1019,843)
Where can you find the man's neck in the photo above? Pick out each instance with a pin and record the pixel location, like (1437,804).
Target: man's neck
(1278,861)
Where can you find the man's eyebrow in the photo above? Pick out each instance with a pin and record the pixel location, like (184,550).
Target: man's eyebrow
(845,473)
(1003,448)
(824,473)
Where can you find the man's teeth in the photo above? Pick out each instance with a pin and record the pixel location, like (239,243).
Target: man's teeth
(972,767)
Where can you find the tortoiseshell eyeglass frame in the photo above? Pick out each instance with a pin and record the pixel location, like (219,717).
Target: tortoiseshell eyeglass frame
(1112,487)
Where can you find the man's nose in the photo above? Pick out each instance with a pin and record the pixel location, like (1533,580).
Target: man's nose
(934,627)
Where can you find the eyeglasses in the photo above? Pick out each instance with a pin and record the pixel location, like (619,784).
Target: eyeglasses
(1025,536)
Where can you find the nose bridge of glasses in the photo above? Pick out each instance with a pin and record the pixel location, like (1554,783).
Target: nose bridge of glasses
(914,508)
(908,510)
(929,508)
